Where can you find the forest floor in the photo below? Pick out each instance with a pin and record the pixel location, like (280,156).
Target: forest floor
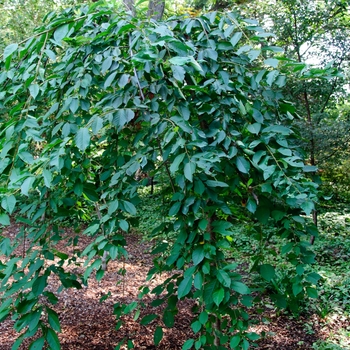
(89,324)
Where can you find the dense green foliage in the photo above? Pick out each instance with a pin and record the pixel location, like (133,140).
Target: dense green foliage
(316,32)
(18,18)
(97,96)
(332,250)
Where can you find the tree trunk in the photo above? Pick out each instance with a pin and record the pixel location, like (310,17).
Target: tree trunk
(130,6)
(156,9)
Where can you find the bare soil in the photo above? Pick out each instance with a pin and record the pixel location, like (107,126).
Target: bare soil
(89,324)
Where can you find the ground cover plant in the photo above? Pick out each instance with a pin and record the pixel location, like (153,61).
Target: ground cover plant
(96,97)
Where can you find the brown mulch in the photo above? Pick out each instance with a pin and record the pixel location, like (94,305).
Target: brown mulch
(89,324)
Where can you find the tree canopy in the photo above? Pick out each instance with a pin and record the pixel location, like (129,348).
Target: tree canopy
(95,96)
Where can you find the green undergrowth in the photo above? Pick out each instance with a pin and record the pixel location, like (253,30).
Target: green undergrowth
(332,249)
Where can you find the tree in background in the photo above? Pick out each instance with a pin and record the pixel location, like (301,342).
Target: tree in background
(318,32)
(18,18)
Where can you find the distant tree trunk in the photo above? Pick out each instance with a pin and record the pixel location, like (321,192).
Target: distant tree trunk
(130,6)
(156,9)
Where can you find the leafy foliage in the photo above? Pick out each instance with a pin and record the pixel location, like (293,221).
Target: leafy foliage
(20,17)
(98,96)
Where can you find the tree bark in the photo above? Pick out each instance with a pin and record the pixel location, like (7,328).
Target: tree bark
(156,9)
(130,6)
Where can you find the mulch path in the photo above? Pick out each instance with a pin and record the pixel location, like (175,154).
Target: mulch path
(89,324)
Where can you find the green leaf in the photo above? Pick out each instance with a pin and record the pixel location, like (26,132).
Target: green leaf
(203,317)
(310,169)
(198,280)
(245,345)
(5,220)
(60,33)
(253,54)
(178,73)
(235,38)
(243,165)
(258,155)
(9,203)
(218,296)
(287,248)
(189,170)
(124,225)
(251,205)
(268,170)
(180,61)
(131,307)
(274,48)
(34,90)
(196,326)
(212,183)
(130,208)
(308,207)
(113,252)
(258,117)
(254,128)
(113,207)
(123,80)
(222,227)
(177,161)
(122,117)
(253,336)
(9,50)
(168,318)
(34,319)
(37,344)
(174,208)
(96,125)
(82,139)
(198,255)
(234,342)
(184,111)
(279,129)
(285,151)
(203,224)
(110,80)
(47,177)
(158,335)
(188,344)
(39,285)
(53,320)
(91,230)
(267,272)
(313,278)
(271,76)
(148,319)
(297,288)
(240,287)
(52,339)
(312,292)
(184,287)
(27,185)
(223,278)
(272,62)
(300,270)
(106,64)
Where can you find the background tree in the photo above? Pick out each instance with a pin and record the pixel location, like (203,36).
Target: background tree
(18,18)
